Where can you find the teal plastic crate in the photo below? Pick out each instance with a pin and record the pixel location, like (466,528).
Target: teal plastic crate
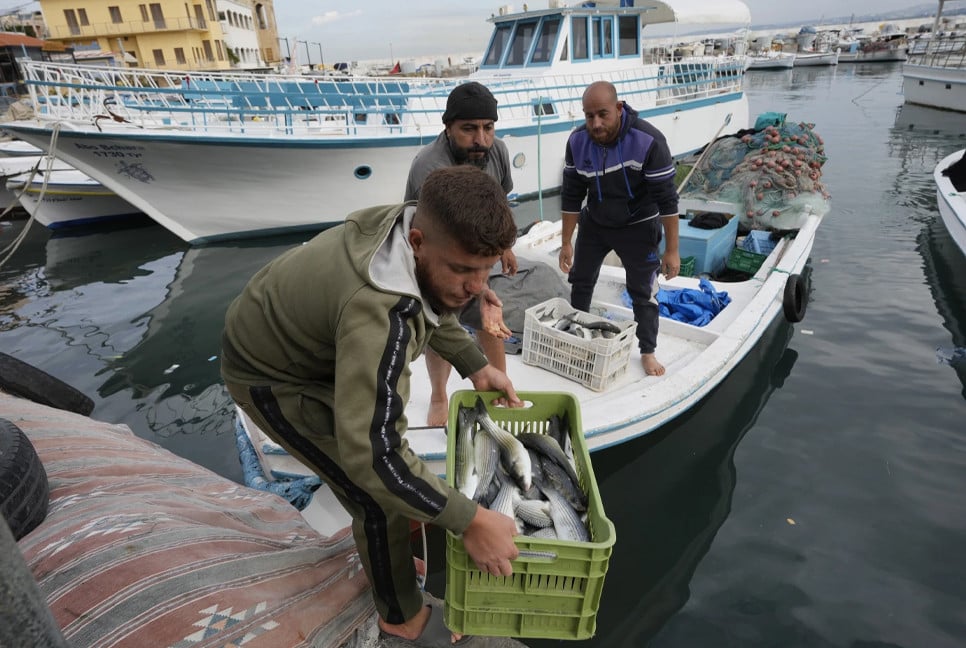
(556,585)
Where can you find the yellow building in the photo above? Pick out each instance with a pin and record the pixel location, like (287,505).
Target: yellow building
(174,35)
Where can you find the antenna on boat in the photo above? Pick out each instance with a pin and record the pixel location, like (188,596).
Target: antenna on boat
(704,152)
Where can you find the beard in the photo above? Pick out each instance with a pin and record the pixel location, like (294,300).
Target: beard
(462,155)
(431,296)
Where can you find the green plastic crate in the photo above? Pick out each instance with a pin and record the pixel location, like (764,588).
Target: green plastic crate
(745,261)
(687,266)
(556,585)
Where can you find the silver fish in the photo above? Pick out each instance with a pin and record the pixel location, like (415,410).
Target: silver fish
(514,455)
(506,501)
(466,478)
(534,512)
(558,479)
(547,446)
(486,457)
(565,518)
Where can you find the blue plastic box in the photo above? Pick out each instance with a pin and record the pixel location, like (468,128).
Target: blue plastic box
(709,247)
(759,242)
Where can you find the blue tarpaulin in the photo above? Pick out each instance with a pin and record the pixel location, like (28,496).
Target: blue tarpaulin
(695,307)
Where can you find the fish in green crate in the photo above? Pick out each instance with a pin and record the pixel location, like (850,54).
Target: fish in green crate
(529,477)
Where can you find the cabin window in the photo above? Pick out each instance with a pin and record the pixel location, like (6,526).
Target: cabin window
(578,26)
(565,51)
(520,46)
(115,15)
(501,36)
(627,31)
(543,106)
(603,34)
(546,41)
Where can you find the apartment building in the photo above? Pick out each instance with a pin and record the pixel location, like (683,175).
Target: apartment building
(172,34)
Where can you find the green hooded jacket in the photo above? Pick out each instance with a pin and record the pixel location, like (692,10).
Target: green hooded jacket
(334,323)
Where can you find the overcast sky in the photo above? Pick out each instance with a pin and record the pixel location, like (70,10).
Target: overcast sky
(353,30)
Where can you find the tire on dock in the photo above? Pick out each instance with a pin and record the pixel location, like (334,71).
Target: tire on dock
(24,490)
(24,380)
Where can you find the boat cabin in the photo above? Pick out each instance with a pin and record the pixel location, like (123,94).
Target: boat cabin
(589,35)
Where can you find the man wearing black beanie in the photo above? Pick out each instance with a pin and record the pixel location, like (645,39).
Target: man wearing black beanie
(468,137)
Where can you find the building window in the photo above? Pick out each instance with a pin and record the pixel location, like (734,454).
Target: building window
(82,15)
(159,57)
(115,14)
(144,13)
(211,10)
(219,48)
(157,16)
(72,22)
(200,17)
(179,56)
(209,55)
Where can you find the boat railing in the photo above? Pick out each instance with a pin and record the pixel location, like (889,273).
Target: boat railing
(277,105)
(941,52)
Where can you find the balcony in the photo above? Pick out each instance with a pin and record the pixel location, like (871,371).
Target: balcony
(128,28)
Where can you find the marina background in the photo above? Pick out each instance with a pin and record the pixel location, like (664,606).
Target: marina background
(814,499)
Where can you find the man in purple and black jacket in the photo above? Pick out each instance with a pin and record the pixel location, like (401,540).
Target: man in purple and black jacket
(622,167)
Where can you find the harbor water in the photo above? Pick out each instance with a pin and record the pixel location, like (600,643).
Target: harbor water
(815,498)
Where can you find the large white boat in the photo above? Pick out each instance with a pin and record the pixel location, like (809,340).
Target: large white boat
(950,177)
(771,60)
(935,73)
(937,77)
(213,156)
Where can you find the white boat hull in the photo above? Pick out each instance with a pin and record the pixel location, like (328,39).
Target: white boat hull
(70,199)
(782,62)
(887,55)
(697,359)
(936,87)
(267,185)
(806,59)
(952,203)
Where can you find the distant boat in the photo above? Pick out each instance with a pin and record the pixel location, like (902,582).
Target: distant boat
(771,60)
(13,166)
(71,198)
(804,59)
(228,155)
(18,148)
(950,177)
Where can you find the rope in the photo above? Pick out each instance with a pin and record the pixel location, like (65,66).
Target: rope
(15,245)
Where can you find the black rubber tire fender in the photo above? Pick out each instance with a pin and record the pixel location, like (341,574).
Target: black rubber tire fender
(24,490)
(795,298)
(24,380)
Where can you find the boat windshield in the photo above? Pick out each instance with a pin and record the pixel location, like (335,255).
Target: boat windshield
(523,42)
(532,40)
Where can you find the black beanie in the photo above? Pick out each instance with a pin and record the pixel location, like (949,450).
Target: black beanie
(470,100)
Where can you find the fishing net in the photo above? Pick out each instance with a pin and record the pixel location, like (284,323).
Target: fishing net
(774,174)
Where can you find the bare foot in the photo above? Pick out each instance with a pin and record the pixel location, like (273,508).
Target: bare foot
(651,366)
(411,629)
(438,412)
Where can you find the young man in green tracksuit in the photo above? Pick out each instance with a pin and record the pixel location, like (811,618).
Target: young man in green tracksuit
(317,349)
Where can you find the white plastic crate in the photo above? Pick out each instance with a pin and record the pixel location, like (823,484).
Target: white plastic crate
(594,363)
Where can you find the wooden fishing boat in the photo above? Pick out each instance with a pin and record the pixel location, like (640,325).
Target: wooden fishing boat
(629,403)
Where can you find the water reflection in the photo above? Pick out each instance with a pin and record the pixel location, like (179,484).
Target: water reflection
(132,317)
(669,492)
